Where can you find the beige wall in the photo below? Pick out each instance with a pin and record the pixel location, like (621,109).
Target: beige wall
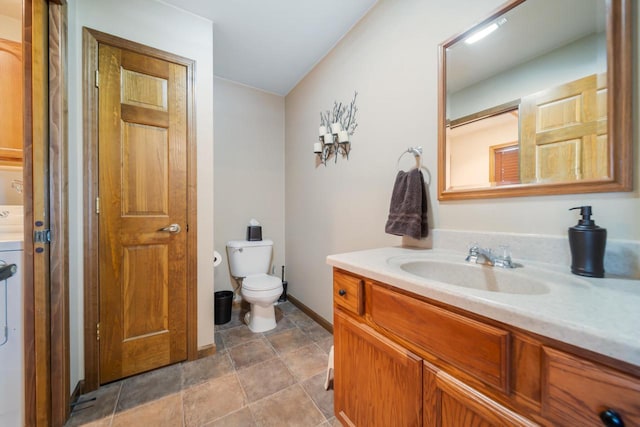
(248,169)
(8,194)
(163,27)
(469,149)
(570,62)
(390,58)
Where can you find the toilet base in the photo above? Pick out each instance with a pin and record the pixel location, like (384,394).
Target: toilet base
(260,319)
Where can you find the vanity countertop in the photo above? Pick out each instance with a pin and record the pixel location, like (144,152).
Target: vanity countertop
(601,315)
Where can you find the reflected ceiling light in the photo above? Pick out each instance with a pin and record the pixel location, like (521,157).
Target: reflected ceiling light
(480,34)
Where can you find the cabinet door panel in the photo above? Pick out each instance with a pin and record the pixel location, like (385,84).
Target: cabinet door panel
(451,403)
(376,382)
(348,292)
(473,347)
(576,391)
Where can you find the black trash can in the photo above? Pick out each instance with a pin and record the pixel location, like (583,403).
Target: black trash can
(222,307)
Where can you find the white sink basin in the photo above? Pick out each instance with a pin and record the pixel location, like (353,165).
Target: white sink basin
(450,270)
(476,276)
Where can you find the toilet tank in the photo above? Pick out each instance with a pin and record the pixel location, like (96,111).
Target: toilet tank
(247,258)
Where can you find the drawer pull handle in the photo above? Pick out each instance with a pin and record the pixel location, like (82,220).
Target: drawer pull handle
(611,418)
(342,292)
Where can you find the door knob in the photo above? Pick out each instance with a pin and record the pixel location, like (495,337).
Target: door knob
(173,228)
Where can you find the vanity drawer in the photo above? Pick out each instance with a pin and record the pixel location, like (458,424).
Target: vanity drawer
(348,292)
(472,347)
(575,391)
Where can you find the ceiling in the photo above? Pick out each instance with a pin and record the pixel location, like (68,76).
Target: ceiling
(533,29)
(271,45)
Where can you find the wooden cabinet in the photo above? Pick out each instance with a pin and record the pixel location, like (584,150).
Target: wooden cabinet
(449,402)
(576,391)
(376,382)
(11,110)
(404,360)
(348,293)
(467,344)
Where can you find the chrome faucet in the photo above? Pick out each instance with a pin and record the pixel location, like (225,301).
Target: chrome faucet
(483,256)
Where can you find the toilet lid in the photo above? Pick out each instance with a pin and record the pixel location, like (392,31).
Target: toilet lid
(261,282)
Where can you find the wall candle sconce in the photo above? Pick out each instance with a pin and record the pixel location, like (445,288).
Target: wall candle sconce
(336,127)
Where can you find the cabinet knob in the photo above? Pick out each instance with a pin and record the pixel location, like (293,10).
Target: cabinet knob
(611,418)
(342,292)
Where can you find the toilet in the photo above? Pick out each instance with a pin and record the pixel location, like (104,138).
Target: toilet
(249,261)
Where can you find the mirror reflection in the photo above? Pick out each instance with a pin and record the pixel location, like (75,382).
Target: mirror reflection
(525,100)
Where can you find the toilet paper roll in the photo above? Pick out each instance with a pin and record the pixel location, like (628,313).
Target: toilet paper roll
(217,258)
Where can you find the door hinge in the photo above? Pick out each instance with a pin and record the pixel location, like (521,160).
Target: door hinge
(97,205)
(98,331)
(97,78)
(42,236)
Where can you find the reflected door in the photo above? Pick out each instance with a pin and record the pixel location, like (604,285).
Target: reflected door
(142,187)
(564,132)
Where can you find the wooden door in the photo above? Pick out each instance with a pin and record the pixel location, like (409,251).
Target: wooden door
(11,111)
(449,402)
(563,133)
(376,382)
(142,150)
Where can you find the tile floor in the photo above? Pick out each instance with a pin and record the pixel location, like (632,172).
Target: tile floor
(274,378)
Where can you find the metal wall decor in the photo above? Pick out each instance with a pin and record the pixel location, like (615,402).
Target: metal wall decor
(336,128)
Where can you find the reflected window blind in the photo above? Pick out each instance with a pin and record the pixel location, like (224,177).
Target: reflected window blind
(507,165)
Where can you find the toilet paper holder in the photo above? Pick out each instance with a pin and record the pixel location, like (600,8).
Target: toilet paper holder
(217,258)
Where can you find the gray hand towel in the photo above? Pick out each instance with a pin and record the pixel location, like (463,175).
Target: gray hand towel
(408,209)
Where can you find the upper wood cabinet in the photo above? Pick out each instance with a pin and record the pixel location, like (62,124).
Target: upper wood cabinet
(11,111)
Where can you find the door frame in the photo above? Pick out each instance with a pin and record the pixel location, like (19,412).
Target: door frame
(46,311)
(90,40)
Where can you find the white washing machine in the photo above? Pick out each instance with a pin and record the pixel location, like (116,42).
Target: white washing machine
(11,333)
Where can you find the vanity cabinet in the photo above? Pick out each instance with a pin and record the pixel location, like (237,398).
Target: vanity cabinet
(404,360)
(575,390)
(376,381)
(449,402)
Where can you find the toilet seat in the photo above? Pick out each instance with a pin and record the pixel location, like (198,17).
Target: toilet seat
(261,282)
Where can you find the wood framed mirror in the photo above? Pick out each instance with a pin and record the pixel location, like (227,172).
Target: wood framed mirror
(542,105)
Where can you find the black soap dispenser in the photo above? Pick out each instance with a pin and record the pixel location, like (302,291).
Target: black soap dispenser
(587,242)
